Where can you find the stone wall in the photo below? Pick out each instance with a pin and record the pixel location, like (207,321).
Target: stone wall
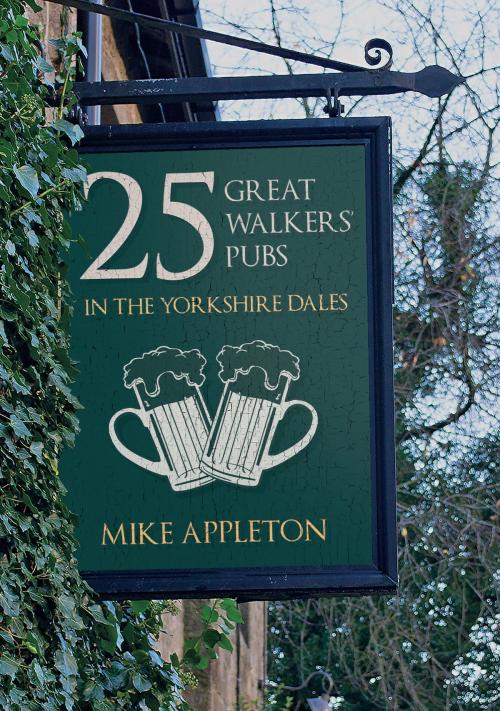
(53,21)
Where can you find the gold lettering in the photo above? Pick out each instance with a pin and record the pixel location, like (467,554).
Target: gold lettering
(92,304)
(166,304)
(334,299)
(228,304)
(290,302)
(243,302)
(143,533)
(196,304)
(177,305)
(211,305)
(262,304)
(120,532)
(309,303)
(191,531)
(166,533)
(237,538)
(322,305)
(132,306)
(299,527)
(225,527)
(254,530)
(271,528)
(210,525)
(277,302)
(311,526)
(120,300)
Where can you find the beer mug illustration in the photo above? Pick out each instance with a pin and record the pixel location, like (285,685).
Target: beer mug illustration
(257,376)
(166,383)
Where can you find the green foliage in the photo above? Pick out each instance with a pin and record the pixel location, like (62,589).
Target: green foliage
(219,620)
(59,648)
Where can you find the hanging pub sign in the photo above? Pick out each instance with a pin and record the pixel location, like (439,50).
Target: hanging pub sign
(232,328)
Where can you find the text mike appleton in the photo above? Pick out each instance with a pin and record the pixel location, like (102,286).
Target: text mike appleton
(250,531)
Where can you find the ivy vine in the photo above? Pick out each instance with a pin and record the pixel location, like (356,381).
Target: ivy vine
(59,647)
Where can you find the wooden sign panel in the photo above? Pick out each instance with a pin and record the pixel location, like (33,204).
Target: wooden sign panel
(232,326)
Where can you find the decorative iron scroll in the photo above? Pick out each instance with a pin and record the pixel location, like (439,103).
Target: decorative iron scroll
(375,57)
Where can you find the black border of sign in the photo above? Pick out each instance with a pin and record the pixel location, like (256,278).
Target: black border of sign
(274,583)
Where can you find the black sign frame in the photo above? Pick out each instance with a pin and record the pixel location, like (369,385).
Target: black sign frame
(268,583)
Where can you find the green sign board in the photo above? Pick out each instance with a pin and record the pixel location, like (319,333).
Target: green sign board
(232,332)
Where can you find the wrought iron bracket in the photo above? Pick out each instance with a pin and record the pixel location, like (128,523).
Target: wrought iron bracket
(432,81)
(351,80)
(334,108)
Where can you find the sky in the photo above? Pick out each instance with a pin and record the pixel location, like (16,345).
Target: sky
(313,25)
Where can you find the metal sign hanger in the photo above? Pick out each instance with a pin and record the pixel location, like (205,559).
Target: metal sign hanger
(349,79)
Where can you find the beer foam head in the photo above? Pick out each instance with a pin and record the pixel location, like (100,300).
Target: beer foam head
(148,368)
(274,361)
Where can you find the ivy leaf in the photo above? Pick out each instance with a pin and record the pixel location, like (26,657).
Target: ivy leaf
(76,174)
(58,43)
(73,132)
(139,606)
(7,637)
(203,663)
(92,691)
(11,36)
(191,656)
(39,672)
(19,427)
(140,683)
(44,66)
(37,449)
(67,609)
(9,602)
(8,666)
(155,658)
(211,637)
(32,642)
(65,663)
(174,660)
(234,615)
(28,178)
(21,21)
(228,604)
(209,615)
(7,53)
(7,152)
(225,643)
(98,615)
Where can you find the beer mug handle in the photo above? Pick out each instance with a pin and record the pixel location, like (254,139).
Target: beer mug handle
(273,460)
(160,467)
